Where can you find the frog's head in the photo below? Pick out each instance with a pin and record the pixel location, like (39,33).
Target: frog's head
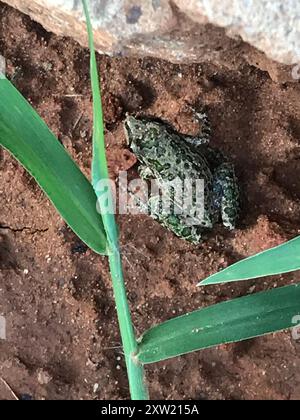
(140,135)
(134,129)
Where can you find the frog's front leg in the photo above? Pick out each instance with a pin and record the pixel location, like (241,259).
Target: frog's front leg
(226,194)
(145,173)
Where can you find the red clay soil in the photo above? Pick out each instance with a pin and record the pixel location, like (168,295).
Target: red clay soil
(62,334)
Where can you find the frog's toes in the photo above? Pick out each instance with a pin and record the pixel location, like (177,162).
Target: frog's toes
(205,128)
(229,216)
(203,138)
(191,234)
(145,172)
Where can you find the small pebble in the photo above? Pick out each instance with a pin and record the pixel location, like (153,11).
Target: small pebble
(43,377)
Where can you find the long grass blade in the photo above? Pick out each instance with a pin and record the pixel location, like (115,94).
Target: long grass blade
(25,135)
(226,322)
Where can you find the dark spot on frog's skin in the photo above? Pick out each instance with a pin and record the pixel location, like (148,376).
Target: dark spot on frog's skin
(134,14)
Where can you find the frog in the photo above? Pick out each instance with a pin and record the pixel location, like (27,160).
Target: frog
(167,155)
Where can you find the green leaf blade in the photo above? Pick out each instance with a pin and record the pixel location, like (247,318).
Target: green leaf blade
(99,161)
(25,135)
(284,258)
(227,322)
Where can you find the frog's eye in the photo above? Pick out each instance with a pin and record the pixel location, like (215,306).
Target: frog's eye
(130,133)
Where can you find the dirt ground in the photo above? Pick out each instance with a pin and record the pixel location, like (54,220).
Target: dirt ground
(62,335)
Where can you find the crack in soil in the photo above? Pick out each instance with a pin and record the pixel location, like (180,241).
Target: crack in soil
(30,230)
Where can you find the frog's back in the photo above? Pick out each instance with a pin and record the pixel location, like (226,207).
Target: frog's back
(169,156)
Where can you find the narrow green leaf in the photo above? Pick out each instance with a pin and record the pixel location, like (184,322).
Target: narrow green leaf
(227,322)
(135,371)
(99,163)
(24,134)
(282,259)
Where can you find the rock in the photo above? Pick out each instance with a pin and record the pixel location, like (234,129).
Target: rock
(272,26)
(43,377)
(181,33)
(134,27)
(115,21)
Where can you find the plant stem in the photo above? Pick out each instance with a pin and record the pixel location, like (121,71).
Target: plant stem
(135,370)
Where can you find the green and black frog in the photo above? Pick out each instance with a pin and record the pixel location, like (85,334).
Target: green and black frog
(166,155)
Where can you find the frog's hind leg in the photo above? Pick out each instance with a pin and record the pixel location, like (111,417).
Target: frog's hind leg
(214,157)
(173,222)
(226,194)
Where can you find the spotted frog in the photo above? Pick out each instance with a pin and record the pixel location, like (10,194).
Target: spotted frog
(166,155)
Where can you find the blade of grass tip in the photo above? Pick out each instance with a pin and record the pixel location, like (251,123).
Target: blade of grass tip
(99,162)
(284,258)
(135,369)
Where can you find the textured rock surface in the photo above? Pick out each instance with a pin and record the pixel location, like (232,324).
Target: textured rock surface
(273,26)
(115,22)
(180,32)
